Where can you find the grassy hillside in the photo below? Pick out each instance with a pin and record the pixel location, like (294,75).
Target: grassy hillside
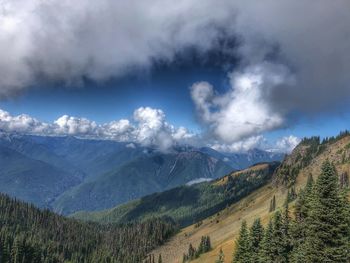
(188,204)
(223,227)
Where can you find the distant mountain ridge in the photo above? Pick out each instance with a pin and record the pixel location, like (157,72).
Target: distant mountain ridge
(189,204)
(142,176)
(243,160)
(71,167)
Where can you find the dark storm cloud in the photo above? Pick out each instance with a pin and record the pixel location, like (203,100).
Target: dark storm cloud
(313,40)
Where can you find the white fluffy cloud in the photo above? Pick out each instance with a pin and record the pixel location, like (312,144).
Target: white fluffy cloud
(282,145)
(244,145)
(242,112)
(22,123)
(148,127)
(287,143)
(74,126)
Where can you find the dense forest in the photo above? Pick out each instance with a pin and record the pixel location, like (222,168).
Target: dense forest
(31,235)
(316,229)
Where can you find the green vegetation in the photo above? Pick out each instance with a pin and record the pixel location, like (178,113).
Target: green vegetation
(188,204)
(318,232)
(30,179)
(204,246)
(221,257)
(30,235)
(304,153)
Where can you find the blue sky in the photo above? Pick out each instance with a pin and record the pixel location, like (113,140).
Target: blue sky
(167,89)
(232,76)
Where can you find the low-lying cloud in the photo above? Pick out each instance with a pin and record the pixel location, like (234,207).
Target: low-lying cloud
(148,127)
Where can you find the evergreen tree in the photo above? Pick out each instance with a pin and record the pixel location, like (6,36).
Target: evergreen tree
(327,238)
(204,245)
(286,232)
(243,251)
(291,195)
(221,257)
(272,204)
(31,235)
(299,225)
(191,252)
(278,239)
(344,180)
(266,254)
(256,236)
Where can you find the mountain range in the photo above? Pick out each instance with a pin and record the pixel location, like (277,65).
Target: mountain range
(68,174)
(216,208)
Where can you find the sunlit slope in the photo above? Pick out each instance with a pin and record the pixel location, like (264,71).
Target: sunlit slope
(223,227)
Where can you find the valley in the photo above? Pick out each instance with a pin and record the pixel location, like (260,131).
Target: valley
(68,174)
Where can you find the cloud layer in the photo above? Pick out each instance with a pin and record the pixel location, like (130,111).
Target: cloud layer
(148,127)
(65,41)
(293,57)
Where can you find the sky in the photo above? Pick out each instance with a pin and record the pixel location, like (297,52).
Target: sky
(234,76)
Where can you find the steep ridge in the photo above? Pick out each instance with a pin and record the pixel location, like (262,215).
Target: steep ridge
(223,227)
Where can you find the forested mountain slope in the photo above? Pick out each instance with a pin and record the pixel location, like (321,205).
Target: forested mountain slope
(30,235)
(32,180)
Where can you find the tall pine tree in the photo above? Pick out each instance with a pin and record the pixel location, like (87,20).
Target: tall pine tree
(243,251)
(266,253)
(256,235)
(327,235)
